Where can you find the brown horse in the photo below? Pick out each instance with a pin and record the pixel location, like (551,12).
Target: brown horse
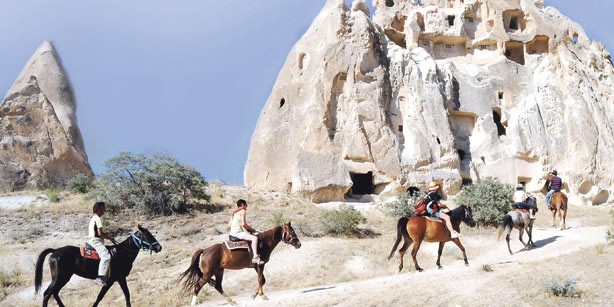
(417,229)
(212,261)
(66,261)
(558,205)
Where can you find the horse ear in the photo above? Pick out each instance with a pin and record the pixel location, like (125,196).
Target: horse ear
(138,226)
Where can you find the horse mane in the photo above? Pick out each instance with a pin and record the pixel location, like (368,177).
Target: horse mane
(272,233)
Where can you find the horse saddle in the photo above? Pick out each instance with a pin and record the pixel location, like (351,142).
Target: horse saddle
(234,243)
(89,252)
(521,210)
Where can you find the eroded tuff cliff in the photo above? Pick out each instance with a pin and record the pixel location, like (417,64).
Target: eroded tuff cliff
(40,141)
(449,90)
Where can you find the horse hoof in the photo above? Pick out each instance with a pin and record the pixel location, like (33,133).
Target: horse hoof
(440,267)
(466,264)
(419,270)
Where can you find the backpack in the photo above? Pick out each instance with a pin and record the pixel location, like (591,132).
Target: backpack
(420,207)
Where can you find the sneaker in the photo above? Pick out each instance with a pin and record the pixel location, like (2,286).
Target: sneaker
(532,217)
(99,280)
(455,234)
(256,260)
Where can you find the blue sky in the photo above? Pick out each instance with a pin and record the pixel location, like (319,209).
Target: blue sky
(188,78)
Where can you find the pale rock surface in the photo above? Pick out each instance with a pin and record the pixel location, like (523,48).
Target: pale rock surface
(40,141)
(452,91)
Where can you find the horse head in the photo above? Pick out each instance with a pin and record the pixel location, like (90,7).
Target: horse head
(468,218)
(145,240)
(288,235)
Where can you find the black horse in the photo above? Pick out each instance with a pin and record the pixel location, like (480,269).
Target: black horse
(67,260)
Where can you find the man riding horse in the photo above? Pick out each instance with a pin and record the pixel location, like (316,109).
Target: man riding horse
(520,201)
(554,186)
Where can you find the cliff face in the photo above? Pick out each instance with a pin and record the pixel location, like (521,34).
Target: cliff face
(40,141)
(451,91)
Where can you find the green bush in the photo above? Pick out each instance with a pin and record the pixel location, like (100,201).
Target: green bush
(403,206)
(53,195)
(566,288)
(345,220)
(155,185)
(81,184)
(489,199)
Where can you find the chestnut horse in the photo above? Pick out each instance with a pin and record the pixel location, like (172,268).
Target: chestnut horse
(558,205)
(416,229)
(212,261)
(67,260)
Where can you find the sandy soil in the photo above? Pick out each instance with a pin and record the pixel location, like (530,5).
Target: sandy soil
(325,271)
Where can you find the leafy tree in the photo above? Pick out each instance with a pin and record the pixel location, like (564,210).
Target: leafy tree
(489,199)
(155,185)
(81,184)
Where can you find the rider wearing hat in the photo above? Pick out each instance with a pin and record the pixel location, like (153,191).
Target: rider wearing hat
(434,206)
(555,185)
(520,201)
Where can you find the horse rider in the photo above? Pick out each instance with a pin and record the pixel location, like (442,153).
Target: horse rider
(520,201)
(239,228)
(96,237)
(434,206)
(555,185)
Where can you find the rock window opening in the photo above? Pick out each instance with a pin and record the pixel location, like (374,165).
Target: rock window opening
(497,119)
(483,159)
(438,141)
(389,3)
(362,184)
(282,102)
(575,38)
(514,51)
(539,45)
(467,181)
(451,20)
(400,128)
(514,23)
(301,60)
(449,46)
(461,154)
(500,95)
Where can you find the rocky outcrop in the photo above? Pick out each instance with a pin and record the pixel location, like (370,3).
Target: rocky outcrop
(40,141)
(452,91)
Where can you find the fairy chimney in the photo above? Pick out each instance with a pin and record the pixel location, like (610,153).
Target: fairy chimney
(447,90)
(40,141)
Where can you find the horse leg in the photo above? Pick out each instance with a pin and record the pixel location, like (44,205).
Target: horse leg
(562,219)
(520,235)
(103,291)
(564,216)
(219,276)
(554,218)
(414,252)
(200,284)
(439,254)
(122,283)
(406,244)
(462,248)
(261,281)
(530,233)
(57,283)
(507,238)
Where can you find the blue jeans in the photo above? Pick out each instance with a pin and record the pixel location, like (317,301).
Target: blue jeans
(550,195)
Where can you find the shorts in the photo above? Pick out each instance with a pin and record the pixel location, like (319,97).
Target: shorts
(429,209)
(241,235)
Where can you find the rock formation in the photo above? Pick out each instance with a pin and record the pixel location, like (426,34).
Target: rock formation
(40,142)
(447,90)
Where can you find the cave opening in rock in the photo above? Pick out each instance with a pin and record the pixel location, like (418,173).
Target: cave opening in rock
(362,184)
(497,119)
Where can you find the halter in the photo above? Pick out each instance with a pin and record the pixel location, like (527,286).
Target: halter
(144,245)
(292,241)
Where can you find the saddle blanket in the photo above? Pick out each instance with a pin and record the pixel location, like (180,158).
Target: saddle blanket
(434,219)
(236,245)
(521,210)
(89,253)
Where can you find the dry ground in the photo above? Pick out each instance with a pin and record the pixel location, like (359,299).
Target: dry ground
(325,271)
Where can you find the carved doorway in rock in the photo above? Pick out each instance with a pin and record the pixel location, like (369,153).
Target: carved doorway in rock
(362,184)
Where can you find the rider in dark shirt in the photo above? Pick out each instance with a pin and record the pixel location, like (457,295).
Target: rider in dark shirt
(554,186)
(434,206)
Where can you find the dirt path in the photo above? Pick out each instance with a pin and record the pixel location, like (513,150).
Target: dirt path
(454,278)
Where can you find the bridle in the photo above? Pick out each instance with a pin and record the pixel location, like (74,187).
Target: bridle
(290,239)
(142,244)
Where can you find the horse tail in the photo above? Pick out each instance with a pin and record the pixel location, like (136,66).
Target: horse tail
(401,224)
(38,275)
(192,274)
(507,222)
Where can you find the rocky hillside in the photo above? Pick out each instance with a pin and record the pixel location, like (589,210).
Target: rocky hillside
(448,90)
